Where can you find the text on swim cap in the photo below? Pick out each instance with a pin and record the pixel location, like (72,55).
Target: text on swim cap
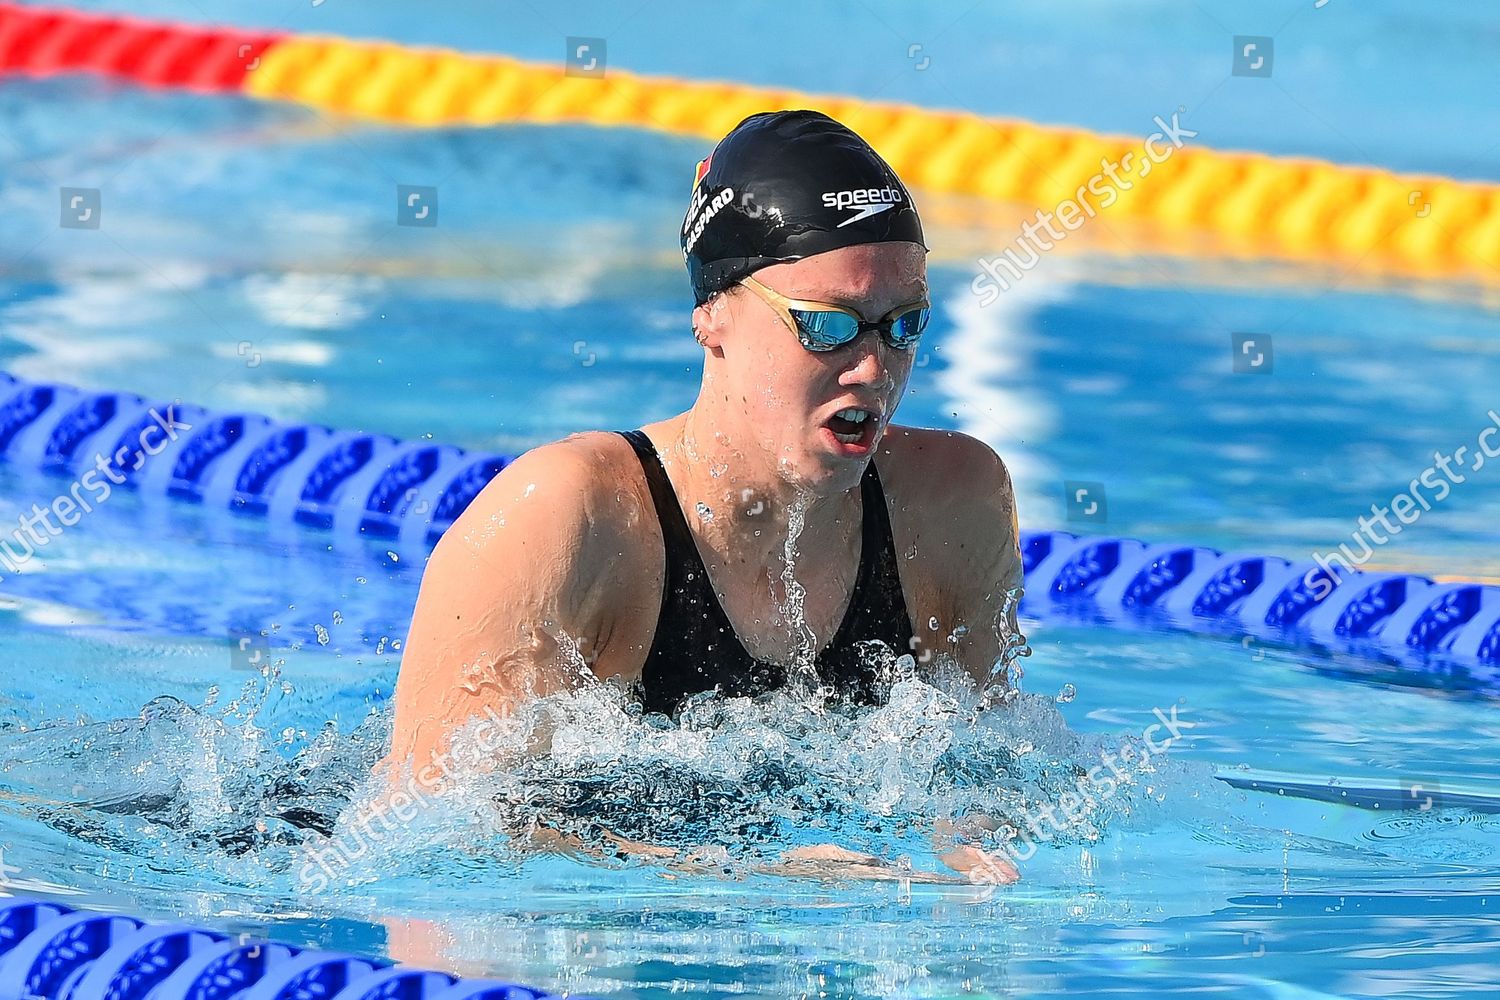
(701,213)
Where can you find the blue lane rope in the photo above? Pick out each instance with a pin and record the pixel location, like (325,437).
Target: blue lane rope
(350,482)
(1391,616)
(358,484)
(50,950)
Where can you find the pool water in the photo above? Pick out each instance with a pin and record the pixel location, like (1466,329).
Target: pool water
(248,261)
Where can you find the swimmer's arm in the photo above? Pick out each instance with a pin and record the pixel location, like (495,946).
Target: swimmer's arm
(513,590)
(985,564)
(822,861)
(985,567)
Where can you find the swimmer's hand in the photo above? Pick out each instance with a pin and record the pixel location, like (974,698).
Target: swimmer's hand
(979,866)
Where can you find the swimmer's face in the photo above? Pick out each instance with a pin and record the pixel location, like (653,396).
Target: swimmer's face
(788,394)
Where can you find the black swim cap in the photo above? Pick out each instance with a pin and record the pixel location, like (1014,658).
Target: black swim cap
(784,185)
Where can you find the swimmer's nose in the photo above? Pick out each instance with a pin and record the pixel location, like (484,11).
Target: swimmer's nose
(869,361)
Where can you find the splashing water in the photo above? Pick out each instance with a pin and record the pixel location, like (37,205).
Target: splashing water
(746,777)
(219,793)
(803,672)
(1006,673)
(231,792)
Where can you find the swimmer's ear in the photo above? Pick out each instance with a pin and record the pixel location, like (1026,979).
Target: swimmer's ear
(710,320)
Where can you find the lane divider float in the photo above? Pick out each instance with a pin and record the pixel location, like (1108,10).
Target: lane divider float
(359,486)
(1353,217)
(50,951)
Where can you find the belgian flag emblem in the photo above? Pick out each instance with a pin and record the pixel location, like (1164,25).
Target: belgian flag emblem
(701,171)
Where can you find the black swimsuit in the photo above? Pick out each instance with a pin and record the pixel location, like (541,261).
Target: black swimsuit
(696,649)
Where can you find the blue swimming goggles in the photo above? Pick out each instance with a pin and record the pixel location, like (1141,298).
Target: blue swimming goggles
(821,326)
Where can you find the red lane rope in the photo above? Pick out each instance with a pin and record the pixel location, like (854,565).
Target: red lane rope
(45,42)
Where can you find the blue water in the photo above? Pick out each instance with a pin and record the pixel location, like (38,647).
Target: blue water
(247,258)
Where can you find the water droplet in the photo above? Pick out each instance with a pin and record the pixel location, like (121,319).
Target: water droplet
(338,618)
(530,488)
(1067,694)
(932,623)
(392,556)
(322,635)
(704,511)
(360,579)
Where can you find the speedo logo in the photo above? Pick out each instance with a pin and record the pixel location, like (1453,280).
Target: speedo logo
(868,201)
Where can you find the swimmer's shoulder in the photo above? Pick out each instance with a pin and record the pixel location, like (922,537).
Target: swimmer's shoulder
(580,488)
(952,510)
(950,498)
(573,519)
(935,470)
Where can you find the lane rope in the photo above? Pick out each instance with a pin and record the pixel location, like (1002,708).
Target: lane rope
(1357,217)
(51,950)
(359,486)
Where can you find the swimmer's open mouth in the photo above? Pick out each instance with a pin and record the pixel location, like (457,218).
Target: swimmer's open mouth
(854,426)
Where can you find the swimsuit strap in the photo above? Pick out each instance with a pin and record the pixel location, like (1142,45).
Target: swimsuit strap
(674,526)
